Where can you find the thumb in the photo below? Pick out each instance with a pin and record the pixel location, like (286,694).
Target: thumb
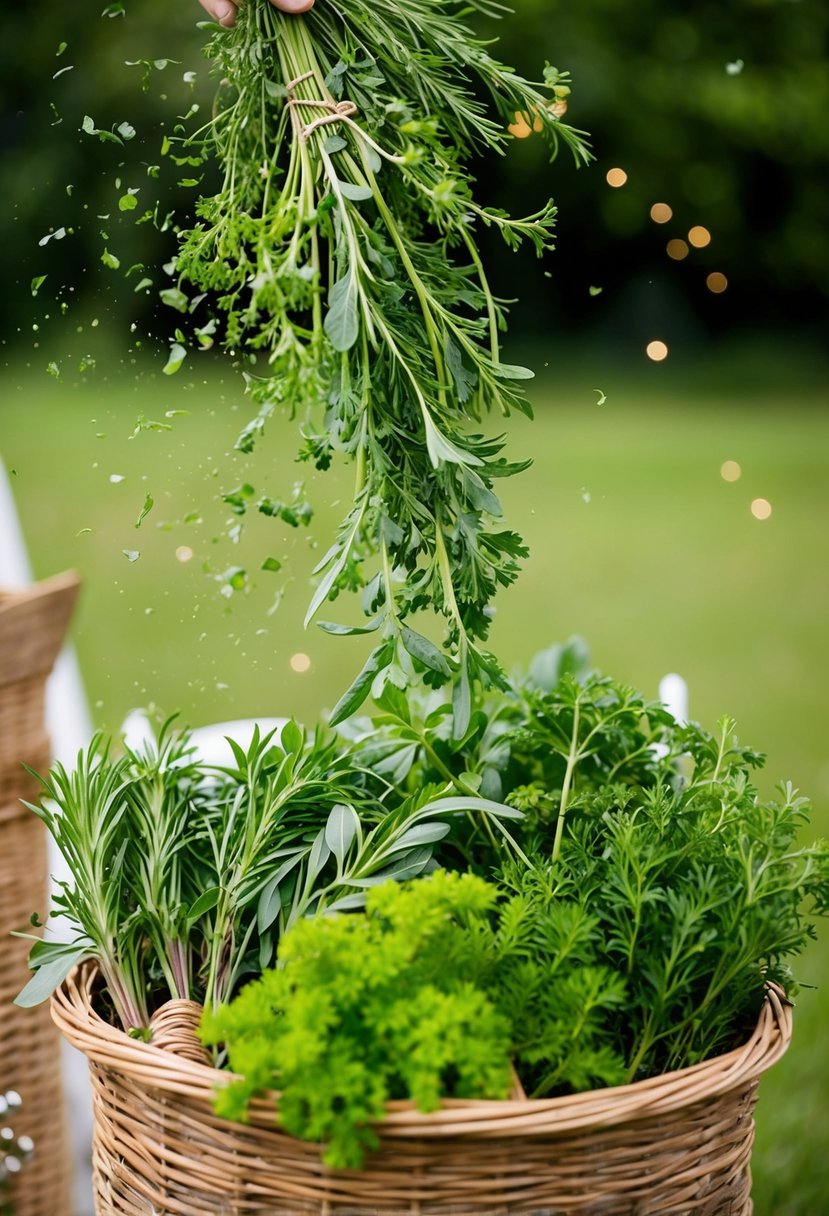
(294,6)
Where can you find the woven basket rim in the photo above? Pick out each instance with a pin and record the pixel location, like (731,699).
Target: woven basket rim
(111,1048)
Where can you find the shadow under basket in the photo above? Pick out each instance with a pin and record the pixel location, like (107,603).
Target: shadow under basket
(679,1143)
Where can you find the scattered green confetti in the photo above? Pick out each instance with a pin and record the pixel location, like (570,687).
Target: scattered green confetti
(272,564)
(595,291)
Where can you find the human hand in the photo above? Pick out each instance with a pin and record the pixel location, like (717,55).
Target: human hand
(224,11)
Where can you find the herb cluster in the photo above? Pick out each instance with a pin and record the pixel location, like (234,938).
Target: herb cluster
(599,894)
(368,1008)
(339,259)
(185,876)
(647,896)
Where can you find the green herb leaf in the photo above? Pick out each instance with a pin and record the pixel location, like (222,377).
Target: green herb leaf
(149,502)
(205,903)
(342,324)
(354,697)
(175,359)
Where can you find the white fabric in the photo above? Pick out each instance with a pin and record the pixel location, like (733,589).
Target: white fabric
(69,727)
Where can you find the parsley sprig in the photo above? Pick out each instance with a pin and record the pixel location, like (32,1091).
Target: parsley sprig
(341,251)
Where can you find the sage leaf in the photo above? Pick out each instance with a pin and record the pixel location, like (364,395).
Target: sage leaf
(50,975)
(341,829)
(206,902)
(342,322)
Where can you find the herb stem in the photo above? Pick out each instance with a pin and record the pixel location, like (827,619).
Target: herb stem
(573,758)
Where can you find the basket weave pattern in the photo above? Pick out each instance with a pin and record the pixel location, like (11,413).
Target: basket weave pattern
(674,1144)
(32,627)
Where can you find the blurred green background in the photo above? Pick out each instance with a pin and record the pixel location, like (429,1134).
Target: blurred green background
(639,541)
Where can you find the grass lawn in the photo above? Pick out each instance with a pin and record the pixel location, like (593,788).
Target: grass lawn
(638,543)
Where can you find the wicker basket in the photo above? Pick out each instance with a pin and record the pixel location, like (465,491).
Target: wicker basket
(32,628)
(680,1143)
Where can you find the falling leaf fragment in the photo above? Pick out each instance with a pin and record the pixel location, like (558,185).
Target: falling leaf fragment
(132,555)
(57,235)
(177,356)
(149,502)
(595,291)
(602,396)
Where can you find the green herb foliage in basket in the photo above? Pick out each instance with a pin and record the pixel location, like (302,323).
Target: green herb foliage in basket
(651,895)
(185,875)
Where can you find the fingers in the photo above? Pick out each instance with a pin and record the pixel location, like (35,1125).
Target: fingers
(222,11)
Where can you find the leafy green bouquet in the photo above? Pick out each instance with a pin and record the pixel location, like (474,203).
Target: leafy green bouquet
(544,875)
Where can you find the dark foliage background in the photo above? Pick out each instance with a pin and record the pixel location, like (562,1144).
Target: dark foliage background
(717,109)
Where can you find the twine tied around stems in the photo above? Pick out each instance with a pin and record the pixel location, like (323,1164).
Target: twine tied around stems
(335,111)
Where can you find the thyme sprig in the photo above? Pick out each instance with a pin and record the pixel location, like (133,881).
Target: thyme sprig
(341,250)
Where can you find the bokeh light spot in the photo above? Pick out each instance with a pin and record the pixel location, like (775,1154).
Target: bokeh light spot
(616,177)
(761,508)
(657,351)
(716,282)
(661,213)
(730,470)
(300,662)
(677,249)
(699,237)
(184,553)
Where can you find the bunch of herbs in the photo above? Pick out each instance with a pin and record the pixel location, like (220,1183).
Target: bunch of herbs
(633,931)
(184,876)
(339,261)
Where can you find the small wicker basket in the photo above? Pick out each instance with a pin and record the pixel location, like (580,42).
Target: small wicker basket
(32,628)
(680,1143)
